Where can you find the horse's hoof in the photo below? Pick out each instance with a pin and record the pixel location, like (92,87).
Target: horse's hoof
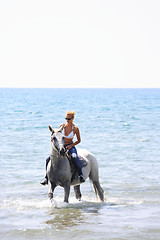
(50,195)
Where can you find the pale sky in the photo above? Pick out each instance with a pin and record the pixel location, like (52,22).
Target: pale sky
(85,43)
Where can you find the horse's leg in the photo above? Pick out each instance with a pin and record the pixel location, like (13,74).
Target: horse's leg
(66,193)
(77,192)
(99,189)
(51,189)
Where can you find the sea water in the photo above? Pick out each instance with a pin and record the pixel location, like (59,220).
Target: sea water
(121,127)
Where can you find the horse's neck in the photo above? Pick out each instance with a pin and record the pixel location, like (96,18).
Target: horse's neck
(54,156)
(56,160)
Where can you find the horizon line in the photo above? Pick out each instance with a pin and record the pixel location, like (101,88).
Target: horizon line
(79,87)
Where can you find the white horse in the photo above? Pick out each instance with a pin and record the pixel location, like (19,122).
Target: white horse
(60,172)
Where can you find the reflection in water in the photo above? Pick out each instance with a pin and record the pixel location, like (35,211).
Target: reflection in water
(68,217)
(63,218)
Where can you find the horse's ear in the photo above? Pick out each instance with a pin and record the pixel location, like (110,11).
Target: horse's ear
(51,129)
(61,128)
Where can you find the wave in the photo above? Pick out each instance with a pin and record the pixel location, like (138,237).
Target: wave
(22,203)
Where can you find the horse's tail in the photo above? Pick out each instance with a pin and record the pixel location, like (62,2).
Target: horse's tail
(95,189)
(99,191)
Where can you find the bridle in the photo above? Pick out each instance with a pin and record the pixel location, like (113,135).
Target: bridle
(61,151)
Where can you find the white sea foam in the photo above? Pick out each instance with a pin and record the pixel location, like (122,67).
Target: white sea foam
(25,203)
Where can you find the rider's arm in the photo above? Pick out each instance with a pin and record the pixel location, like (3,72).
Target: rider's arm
(76,130)
(63,124)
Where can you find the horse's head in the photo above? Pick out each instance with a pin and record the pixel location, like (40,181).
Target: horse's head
(57,139)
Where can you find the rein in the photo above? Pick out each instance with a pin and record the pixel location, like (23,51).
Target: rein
(65,153)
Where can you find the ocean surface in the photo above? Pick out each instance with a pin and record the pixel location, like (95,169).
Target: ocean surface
(121,127)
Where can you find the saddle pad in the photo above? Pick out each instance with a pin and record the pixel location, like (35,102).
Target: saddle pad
(82,161)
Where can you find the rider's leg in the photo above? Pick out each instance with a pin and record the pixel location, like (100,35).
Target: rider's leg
(45,181)
(73,153)
(47,161)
